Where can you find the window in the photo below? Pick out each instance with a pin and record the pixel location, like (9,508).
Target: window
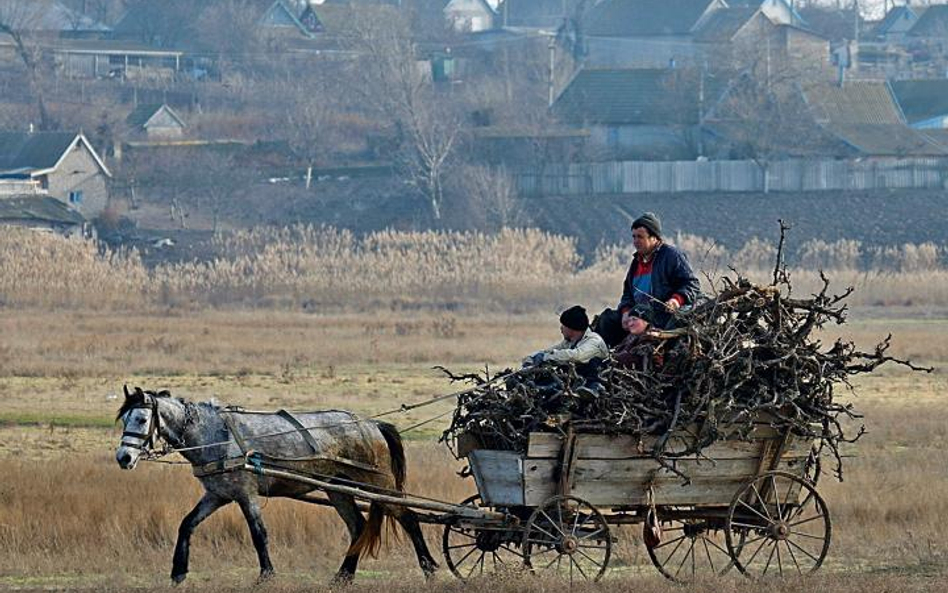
(75,197)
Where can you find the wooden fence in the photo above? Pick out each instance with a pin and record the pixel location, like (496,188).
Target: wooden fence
(630,177)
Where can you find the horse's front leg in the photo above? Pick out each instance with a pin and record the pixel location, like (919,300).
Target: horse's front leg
(204,508)
(258,533)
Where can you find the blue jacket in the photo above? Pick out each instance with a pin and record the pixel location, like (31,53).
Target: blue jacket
(671,274)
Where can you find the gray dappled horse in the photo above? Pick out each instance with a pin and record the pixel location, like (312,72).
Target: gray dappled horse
(337,447)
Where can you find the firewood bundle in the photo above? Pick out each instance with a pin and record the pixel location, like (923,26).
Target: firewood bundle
(746,356)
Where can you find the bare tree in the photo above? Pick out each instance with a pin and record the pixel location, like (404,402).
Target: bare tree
(19,20)
(392,80)
(491,194)
(231,29)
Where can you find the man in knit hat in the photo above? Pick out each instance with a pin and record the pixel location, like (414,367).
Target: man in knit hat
(659,277)
(580,344)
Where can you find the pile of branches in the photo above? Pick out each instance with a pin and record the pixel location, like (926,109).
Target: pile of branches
(746,357)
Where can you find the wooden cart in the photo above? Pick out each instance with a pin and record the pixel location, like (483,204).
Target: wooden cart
(748,503)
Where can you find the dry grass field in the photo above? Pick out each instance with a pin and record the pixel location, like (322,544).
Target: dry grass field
(70,519)
(273,324)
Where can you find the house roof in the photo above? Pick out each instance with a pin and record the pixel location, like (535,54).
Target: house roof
(336,18)
(897,14)
(144,113)
(170,23)
(722,25)
(535,13)
(921,100)
(26,152)
(887,140)
(856,103)
(58,17)
(932,23)
(644,18)
(38,208)
(629,96)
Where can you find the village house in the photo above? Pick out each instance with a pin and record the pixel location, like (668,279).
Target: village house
(634,113)
(63,165)
(42,213)
(865,116)
(155,122)
(537,15)
(469,16)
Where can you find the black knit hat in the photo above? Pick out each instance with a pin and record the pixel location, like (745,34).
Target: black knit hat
(575,318)
(650,222)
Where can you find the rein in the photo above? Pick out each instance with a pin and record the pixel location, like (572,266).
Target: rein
(155,456)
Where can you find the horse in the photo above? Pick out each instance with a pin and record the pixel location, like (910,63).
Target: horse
(335,445)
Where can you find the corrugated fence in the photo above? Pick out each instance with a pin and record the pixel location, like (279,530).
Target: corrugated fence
(630,177)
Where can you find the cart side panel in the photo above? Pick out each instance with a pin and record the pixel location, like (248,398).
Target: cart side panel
(618,471)
(545,445)
(498,475)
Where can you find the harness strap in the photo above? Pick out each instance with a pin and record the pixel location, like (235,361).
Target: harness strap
(302,430)
(238,437)
(218,466)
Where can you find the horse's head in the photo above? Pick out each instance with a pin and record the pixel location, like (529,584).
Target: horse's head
(139,416)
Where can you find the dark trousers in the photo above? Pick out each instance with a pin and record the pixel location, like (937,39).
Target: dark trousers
(608,325)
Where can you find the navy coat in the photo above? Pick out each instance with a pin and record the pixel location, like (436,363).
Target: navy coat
(671,274)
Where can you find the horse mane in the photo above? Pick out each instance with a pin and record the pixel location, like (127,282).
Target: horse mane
(137,397)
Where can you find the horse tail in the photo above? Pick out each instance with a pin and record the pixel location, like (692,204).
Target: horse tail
(396,451)
(370,540)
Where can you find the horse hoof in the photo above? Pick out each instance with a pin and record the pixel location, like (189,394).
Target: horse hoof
(265,576)
(341,580)
(177,579)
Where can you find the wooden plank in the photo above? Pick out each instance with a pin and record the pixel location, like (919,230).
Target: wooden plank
(542,445)
(498,476)
(626,482)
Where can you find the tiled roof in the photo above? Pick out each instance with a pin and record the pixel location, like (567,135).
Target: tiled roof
(629,96)
(39,150)
(644,18)
(722,25)
(922,99)
(144,112)
(38,208)
(856,103)
(887,140)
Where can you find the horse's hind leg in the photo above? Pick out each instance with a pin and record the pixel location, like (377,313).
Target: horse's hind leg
(258,534)
(409,522)
(204,508)
(355,522)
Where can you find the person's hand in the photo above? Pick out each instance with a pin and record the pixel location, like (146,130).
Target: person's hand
(672,305)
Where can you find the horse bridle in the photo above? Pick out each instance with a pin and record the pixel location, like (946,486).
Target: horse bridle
(147,438)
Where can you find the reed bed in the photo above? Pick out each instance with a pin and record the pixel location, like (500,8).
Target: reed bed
(319,268)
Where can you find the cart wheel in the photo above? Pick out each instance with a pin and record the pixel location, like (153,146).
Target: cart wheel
(784,523)
(690,549)
(473,552)
(568,537)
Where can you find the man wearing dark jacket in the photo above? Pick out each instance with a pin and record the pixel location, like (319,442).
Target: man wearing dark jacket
(659,276)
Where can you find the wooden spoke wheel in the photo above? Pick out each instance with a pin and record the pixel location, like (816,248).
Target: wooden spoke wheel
(690,549)
(568,537)
(473,551)
(783,523)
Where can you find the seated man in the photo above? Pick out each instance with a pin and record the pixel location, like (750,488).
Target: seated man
(580,345)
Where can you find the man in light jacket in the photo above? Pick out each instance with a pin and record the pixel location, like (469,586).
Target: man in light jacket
(580,345)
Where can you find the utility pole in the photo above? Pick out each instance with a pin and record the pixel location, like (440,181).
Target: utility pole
(855,53)
(552,47)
